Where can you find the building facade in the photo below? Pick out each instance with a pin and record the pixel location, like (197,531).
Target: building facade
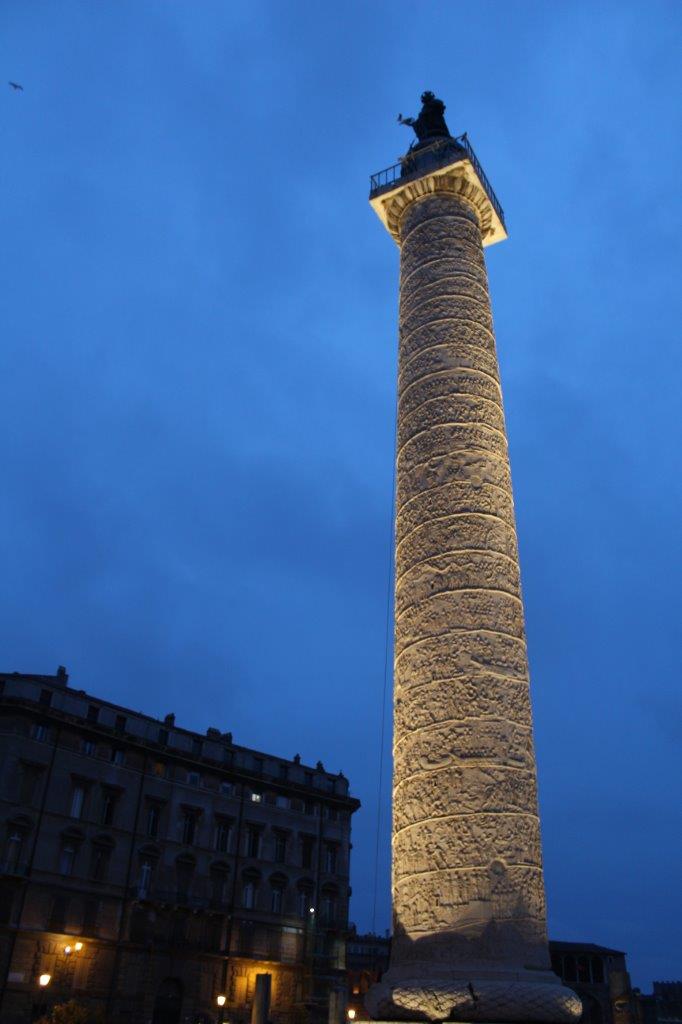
(148,870)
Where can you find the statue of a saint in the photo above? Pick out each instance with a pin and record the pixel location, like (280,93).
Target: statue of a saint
(431,121)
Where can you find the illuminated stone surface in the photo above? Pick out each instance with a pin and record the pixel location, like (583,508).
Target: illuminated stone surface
(468,894)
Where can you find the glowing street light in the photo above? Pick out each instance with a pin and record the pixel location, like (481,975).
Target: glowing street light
(67,950)
(221,1000)
(351,1014)
(44,980)
(78,946)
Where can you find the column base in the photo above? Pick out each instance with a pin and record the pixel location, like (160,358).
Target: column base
(492,1002)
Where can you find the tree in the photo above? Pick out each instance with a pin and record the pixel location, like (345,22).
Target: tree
(72,1013)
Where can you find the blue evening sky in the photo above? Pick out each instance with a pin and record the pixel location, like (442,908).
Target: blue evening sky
(198,362)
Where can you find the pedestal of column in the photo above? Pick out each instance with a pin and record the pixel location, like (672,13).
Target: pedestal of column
(469,939)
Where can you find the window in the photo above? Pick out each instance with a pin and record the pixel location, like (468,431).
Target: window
(93,713)
(13,847)
(218,884)
(258,765)
(30,774)
(99,863)
(90,915)
(310,808)
(223,829)
(153,819)
(159,769)
(108,806)
(89,748)
(252,841)
(308,778)
(284,771)
(226,788)
(189,827)
(197,748)
(249,895)
(163,737)
(193,778)
(304,899)
(307,847)
(118,756)
(280,847)
(120,723)
(330,785)
(40,732)
(328,907)
(57,918)
(77,801)
(330,858)
(228,756)
(282,801)
(597,970)
(144,878)
(67,858)
(46,698)
(184,869)
(276,899)
(256,798)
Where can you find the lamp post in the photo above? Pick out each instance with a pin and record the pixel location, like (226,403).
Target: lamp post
(220,1000)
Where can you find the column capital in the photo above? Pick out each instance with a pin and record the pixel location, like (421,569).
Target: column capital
(449,166)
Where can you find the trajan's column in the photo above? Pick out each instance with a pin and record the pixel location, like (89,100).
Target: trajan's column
(469,936)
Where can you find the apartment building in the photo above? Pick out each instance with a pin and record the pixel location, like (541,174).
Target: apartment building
(153,872)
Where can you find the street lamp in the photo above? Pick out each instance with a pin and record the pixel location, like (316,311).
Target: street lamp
(220,1000)
(44,980)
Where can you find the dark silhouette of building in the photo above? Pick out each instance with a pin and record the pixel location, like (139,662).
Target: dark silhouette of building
(600,977)
(367,958)
(148,870)
(662,1006)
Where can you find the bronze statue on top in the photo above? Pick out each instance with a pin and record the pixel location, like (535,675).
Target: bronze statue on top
(431,121)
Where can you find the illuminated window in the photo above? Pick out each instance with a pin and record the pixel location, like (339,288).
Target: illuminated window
(89,748)
(118,756)
(256,798)
(144,878)
(40,732)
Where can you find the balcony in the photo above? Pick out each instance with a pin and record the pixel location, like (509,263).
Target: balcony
(425,159)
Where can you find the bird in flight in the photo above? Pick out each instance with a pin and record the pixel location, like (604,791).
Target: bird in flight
(16,86)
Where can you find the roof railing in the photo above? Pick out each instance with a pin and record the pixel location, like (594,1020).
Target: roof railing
(441,149)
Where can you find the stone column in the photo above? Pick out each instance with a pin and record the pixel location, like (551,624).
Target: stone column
(468,894)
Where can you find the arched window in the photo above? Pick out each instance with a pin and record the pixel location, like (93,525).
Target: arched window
(184,872)
(99,857)
(250,883)
(278,885)
(329,904)
(218,875)
(304,896)
(148,857)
